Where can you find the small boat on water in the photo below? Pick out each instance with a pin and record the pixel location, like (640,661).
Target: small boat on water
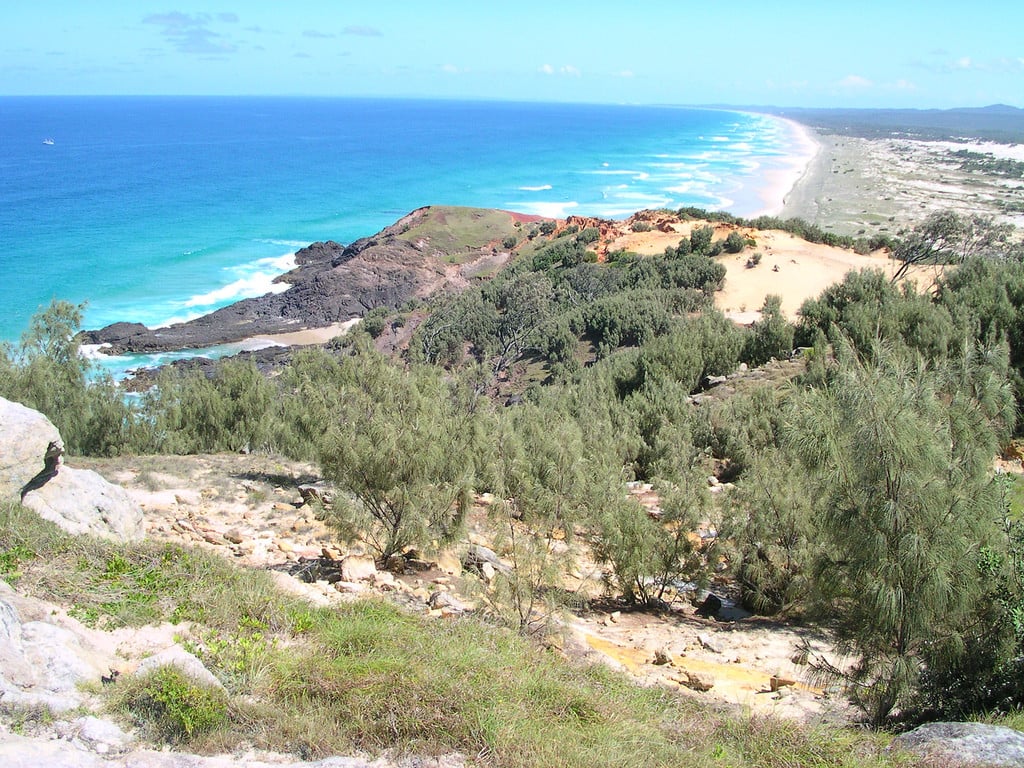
(48,142)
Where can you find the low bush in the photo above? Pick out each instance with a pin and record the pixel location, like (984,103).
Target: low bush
(172,706)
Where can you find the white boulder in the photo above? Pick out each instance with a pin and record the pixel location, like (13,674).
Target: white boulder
(24,437)
(81,502)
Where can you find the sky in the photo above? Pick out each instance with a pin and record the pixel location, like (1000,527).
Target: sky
(936,54)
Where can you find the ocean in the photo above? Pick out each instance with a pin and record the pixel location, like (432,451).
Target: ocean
(158,209)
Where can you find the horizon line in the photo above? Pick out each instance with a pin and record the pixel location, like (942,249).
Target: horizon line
(486,100)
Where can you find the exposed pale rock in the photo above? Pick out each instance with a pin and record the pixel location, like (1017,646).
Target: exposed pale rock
(331,553)
(708,643)
(101,736)
(358,568)
(696,681)
(183,661)
(349,587)
(25,752)
(477,555)
(448,601)
(778,681)
(82,502)
(449,562)
(384,581)
(234,536)
(24,437)
(41,663)
(964,744)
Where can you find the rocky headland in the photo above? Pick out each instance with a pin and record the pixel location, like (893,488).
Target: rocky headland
(431,250)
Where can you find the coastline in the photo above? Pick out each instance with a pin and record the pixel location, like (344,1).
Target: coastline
(302,338)
(787,176)
(884,186)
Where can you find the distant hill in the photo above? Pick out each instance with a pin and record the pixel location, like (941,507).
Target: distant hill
(997,122)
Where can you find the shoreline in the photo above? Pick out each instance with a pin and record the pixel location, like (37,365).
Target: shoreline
(306,337)
(790,170)
(885,186)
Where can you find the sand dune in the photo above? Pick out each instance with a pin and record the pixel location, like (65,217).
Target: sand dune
(790,267)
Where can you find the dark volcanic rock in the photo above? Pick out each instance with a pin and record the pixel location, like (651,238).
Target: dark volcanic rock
(330,284)
(115,333)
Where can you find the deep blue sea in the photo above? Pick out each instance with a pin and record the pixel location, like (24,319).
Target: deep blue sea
(160,209)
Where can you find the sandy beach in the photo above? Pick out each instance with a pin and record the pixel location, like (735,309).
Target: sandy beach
(861,187)
(782,180)
(300,338)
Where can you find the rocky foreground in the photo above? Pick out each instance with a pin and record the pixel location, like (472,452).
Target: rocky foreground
(262,512)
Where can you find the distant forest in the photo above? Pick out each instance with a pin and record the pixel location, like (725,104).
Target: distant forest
(999,122)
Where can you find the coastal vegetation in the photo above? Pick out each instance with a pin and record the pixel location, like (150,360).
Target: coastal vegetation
(371,677)
(863,493)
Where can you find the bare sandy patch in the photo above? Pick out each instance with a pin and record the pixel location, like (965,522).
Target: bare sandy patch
(795,270)
(304,337)
(790,267)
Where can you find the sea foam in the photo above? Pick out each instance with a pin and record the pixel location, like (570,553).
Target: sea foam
(258,282)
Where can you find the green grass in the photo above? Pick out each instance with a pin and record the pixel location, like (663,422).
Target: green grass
(371,676)
(1016,497)
(170,706)
(459,232)
(112,585)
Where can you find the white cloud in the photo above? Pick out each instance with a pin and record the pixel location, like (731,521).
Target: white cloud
(854,81)
(625,73)
(566,70)
(1009,63)
(451,69)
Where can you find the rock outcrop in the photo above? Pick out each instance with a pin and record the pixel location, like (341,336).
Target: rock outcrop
(32,471)
(25,436)
(79,749)
(964,745)
(333,283)
(82,502)
(42,661)
(183,661)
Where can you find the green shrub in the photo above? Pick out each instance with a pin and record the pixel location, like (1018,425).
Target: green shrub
(375,321)
(772,336)
(174,706)
(735,242)
(700,239)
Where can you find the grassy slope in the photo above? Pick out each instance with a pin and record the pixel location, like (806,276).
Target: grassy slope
(462,232)
(371,676)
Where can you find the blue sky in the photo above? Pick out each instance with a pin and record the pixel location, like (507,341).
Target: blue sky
(816,54)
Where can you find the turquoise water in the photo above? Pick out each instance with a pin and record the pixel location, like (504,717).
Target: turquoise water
(160,209)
